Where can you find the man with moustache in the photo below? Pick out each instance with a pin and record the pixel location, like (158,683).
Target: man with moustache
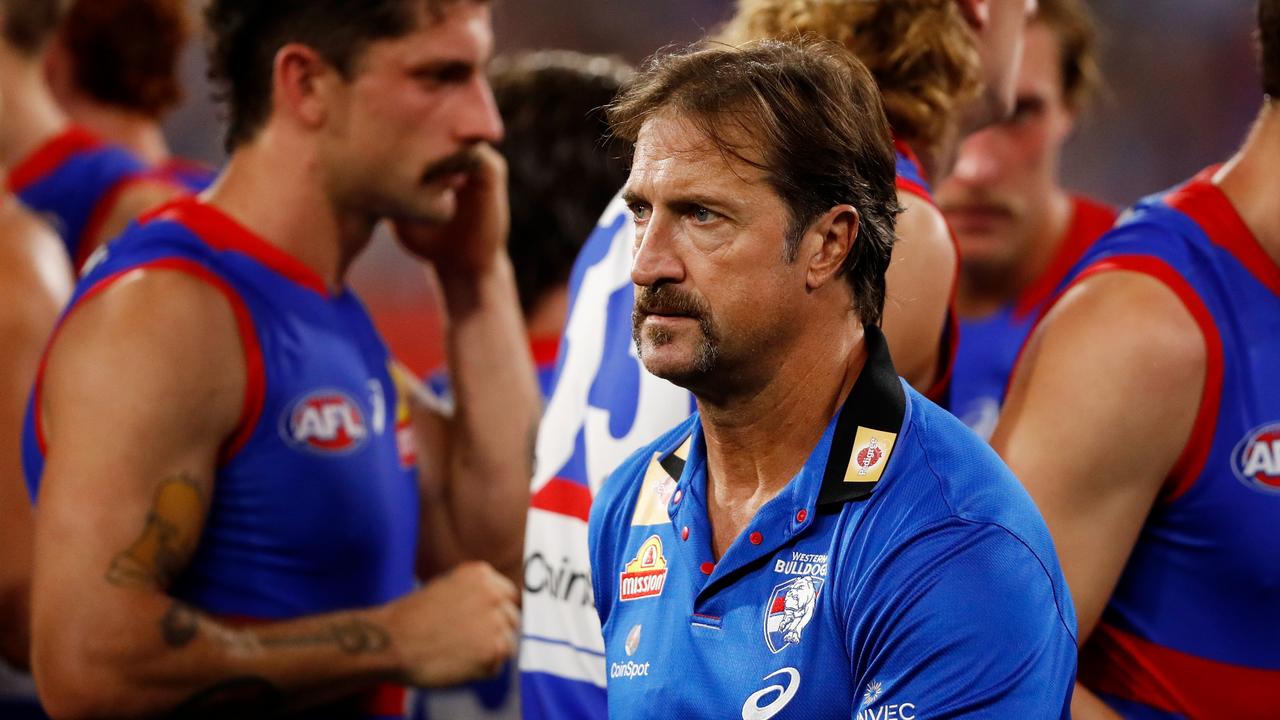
(1019,230)
(958,77)
(925,583)
(224,465)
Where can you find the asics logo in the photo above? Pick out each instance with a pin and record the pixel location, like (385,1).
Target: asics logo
(753,710)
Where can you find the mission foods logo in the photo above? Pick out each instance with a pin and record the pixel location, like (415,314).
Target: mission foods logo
(326,421)
(645,575)
(1257,458)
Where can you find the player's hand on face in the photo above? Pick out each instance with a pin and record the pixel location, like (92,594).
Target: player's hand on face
(459,627)
(478,231)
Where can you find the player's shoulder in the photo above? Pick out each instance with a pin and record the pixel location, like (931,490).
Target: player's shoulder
(623,488)
(952,479)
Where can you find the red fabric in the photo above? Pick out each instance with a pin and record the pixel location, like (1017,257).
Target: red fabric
(48,157)
(563,497)
(1123,665)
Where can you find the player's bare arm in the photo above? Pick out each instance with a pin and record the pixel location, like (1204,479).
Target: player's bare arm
(36,284)
(134,429)
(135,199)
(476,464)
(920,281)
(1096,419)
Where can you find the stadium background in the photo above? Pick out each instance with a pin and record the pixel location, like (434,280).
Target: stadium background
(1181,92)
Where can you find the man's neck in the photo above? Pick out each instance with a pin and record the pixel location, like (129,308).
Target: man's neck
(984,290)
(135,132)
(1251,181)
(756,442)
(29,116)
(272,186)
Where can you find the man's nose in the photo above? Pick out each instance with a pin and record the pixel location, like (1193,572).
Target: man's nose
(657,253)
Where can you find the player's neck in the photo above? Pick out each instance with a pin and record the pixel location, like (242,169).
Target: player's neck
(1251,182)
(271,186)
(137,133)
(29,116)
(758,440)
(983,290)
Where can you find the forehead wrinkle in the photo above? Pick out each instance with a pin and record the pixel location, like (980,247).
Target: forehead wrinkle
(676,151)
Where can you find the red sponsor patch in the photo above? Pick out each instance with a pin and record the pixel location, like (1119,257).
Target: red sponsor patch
(646,574)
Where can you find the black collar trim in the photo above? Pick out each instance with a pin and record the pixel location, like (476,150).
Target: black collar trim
(867,428)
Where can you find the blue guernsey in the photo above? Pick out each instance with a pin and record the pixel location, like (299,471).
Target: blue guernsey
(902,573)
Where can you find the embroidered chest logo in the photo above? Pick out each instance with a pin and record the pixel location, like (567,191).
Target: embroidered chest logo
(791,608)
(646,574)
(326,422)
(1256,460)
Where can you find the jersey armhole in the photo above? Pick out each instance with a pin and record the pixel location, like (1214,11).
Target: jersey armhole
(255,373)
(1195,453)
(101,212)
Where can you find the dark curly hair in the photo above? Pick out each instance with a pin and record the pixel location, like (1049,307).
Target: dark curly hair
(125,52)
(28,24)
(823,136)
(563,170)
(246,34)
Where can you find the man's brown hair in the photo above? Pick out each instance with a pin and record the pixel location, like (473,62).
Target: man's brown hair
(922,52)
(125,52)
(1269,42)
(28,24)
(246,34)
(1077,33)
(817,130)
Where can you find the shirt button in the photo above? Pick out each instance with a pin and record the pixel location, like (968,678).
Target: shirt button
(684,534)
(756,538)
(800,516)
(675,499)
(708,568)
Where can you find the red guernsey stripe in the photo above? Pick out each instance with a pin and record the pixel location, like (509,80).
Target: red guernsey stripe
(1191,462)
(50,157)
(564,497)
(1117,663)
(1212,210)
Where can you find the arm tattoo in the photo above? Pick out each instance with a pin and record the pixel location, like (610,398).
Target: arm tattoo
(179,625)
(352,636)
(167,540)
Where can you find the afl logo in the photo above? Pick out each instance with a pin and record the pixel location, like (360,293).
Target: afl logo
(1256,459)
(325,421)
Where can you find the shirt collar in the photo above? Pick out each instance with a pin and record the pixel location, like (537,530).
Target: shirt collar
(865,433)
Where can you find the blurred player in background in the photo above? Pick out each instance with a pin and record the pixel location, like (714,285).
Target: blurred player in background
(113,67)
(563,169)
(946,67)
(1144,418)
(35,283)
(1019,230)
(88,190)
(222,459)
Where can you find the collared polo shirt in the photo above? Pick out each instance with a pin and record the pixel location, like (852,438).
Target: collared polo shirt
(902,573)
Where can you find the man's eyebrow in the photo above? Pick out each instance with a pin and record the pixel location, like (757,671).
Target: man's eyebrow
(630,196)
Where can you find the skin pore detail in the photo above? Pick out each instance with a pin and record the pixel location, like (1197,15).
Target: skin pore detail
(168,537)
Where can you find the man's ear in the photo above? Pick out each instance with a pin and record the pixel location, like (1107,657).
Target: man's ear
(302,83)
(976,12)
(836,231)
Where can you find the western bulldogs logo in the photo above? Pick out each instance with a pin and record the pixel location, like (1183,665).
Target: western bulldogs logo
(326,422)
(790,609)
(1256,459)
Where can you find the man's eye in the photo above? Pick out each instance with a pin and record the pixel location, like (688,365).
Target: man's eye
(639,212)
(703,215)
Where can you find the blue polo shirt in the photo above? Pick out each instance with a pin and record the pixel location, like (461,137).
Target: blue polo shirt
(902,573)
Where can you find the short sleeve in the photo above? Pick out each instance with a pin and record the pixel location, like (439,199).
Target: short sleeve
(961,619)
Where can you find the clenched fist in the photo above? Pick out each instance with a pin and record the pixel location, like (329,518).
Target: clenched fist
(459,627)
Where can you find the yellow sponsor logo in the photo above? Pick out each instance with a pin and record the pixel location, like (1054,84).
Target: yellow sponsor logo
(871,449)
(646,573)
